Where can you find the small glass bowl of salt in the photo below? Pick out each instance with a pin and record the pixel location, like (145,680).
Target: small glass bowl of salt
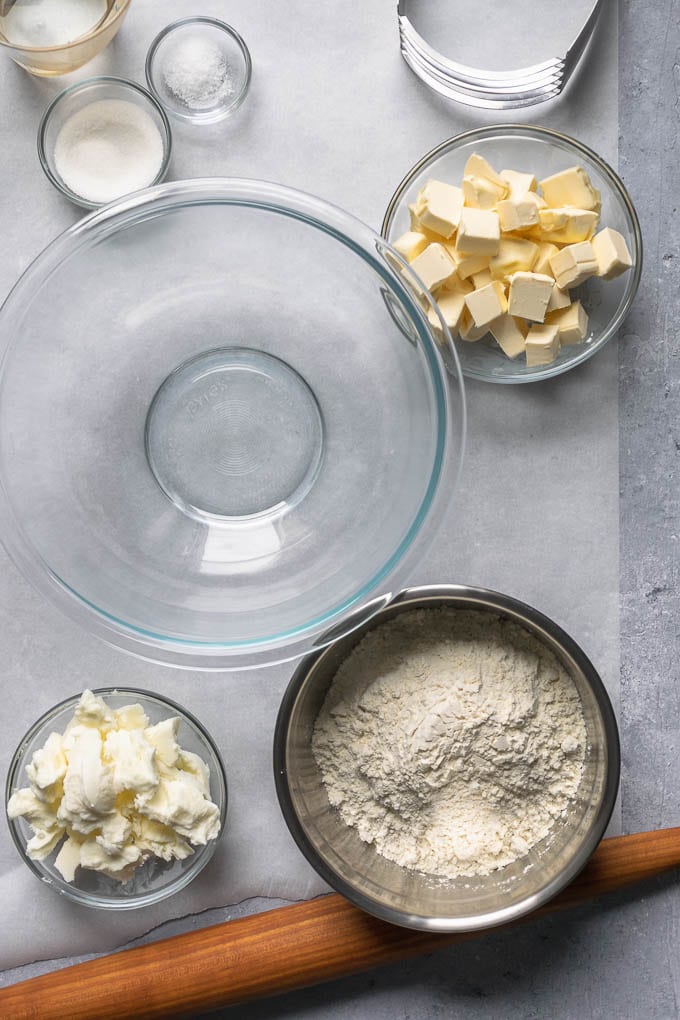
(199,69)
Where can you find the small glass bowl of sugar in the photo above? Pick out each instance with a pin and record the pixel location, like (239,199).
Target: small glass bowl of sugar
(104,138)
(199,69)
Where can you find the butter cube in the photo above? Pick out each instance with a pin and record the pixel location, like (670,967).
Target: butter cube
(438,207)
(546,250)
(410,244)
(481,279)
(542,345)
(483,188)
(479,232)
(487,303)
(515,254)
(571,187)
(567,225)
(529,295)
(574,264)
(481,193)
(417,226)
(466,265)
(434,265)
(451,306)
(611,252)
(457,286)
(509,335)
(519,183)
(558,299)
(477,166)
(468,331)
(519,213)
(571,322)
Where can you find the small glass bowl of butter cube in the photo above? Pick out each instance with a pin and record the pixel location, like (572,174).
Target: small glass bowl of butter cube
(528,242)
(116,798)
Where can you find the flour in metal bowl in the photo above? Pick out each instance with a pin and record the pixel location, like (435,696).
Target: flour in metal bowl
(452,741)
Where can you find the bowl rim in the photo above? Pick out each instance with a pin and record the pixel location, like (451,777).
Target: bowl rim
(199,117)
(543,134)
(462,597)
(66,889)
(82,86)
(443,367)
(60,48)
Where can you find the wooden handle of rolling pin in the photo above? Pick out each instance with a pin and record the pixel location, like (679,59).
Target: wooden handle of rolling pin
(290,947)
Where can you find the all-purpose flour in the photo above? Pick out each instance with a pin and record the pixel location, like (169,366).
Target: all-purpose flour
(451,740)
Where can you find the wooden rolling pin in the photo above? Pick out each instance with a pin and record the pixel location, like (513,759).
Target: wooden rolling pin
(291,947)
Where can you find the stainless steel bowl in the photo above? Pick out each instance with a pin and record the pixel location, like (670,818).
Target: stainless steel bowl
(409,898)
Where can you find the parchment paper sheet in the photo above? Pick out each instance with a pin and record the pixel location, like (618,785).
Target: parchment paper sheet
(333,110)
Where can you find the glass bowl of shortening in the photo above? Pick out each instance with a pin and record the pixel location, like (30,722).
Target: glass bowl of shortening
(450,765)
(116,798)
(530,243)
(226,422)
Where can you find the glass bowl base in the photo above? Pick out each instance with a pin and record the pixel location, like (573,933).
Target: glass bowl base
(234,433)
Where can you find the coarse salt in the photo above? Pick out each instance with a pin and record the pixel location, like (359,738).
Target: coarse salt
(196,72)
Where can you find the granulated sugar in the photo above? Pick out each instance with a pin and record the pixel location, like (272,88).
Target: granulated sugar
(451,740)
(107,149)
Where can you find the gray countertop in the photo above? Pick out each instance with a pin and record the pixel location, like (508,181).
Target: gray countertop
(617,958)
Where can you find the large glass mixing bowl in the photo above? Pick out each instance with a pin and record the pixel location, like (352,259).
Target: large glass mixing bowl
(225,422)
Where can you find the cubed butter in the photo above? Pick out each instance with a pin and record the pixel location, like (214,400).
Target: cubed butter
(417,226)
(542,345)
(451,306)
(515,255)
(458,286)
(434,266)
(571,322)
(478,166)
(545,252)
(571,187)
(509,335)
(567,225)
(611,252)
(483,188)
(479,232)
(558,299)
(519,214)
(468,331)
(487,303)
(518,182)
(411,244)
(574,264)
(481,193)
(529,295)
(481,279)
(466,265)
(438,207)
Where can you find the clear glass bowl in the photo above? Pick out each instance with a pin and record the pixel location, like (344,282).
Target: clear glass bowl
(541,152)
(409,898)
(173,43)
(225,422)
(155,880)
(77,97)
(49,61)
